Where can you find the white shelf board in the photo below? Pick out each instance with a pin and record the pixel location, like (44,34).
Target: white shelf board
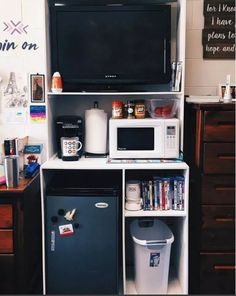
(101,163)
(174,286)
(85,93)
(166,213)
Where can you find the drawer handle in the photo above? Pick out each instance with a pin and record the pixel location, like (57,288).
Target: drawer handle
(226,157)
(225,220)
(224,267)
(224,188)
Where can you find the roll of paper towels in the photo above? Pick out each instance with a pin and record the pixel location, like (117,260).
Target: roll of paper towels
(95,131)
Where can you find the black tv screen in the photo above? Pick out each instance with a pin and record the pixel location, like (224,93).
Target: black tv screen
(111,45)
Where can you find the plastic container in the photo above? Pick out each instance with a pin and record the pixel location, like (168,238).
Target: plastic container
(152,245)
(162,108)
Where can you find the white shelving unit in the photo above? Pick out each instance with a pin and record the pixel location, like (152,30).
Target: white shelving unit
(113,93)
(178,279)
(178,222)
(75,104)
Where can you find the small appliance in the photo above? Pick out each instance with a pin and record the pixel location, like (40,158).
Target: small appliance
(82,241)
(146,138)
(69,137)
(107,45)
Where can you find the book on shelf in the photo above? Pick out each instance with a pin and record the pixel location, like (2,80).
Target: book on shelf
(150,194)
(177,68)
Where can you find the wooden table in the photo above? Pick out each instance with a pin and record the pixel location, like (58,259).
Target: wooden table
(20,237)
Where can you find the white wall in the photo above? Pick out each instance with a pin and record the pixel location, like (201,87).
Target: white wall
(31,14)
(202,77)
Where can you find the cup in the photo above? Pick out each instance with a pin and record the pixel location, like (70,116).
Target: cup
(70,146)
(133,206)
(133,190)
(11,167)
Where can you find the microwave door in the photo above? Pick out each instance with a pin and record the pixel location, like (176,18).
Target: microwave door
(135,139)
(139,142)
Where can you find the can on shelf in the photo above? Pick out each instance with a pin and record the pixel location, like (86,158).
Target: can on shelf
(117,109)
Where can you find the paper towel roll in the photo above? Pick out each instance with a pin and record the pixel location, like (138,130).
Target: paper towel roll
(95,131)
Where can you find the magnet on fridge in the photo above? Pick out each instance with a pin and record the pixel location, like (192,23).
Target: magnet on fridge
(66,229)
(69,216)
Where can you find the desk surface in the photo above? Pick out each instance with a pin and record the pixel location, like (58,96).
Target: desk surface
(23,184)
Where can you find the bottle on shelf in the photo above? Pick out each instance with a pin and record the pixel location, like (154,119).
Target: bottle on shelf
(56,83)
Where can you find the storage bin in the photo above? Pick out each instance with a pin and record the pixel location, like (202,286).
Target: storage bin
(162,108)
(152,245)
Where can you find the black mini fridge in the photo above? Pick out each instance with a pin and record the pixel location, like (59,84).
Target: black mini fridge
(82,241)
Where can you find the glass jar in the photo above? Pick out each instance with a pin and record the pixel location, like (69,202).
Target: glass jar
(139,109)
(117,109)
(130,109)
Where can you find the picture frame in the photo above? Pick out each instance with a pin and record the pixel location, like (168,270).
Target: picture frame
(222,88)
(37,88)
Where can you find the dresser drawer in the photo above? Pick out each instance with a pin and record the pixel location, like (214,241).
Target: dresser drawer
(217,273)
(6,241)
(218,228)
(219,158)
(7,271)
(218,189)
(219,126)
(6,220)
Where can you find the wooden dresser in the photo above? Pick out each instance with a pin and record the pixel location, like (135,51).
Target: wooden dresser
(209,150)
(20,238)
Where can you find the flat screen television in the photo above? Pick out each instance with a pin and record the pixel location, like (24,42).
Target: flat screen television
(110,46)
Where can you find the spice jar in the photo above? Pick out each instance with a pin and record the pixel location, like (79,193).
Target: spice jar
(139,109)
(117,110)
(130,109)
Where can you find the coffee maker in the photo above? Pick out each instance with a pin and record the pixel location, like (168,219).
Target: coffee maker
(69,133)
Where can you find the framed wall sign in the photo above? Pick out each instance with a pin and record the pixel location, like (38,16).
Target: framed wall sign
(218,35)
(37,88)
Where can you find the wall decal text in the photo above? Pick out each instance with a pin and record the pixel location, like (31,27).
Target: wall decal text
(7,45)
(15,27)
(218,35)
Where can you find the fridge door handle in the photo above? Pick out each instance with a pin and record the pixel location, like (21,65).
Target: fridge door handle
(101,205)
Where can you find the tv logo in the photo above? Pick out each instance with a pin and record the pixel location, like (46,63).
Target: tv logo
(110,76)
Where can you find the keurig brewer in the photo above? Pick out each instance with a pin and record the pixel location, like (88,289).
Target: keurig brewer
(69,137)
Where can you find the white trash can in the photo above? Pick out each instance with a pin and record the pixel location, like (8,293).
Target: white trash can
(152,244)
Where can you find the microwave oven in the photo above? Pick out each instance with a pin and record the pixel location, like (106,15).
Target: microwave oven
(144,138)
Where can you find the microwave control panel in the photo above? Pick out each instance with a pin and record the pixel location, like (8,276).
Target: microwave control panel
(171,137)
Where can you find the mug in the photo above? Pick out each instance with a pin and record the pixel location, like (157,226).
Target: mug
(70,146)
(133,190)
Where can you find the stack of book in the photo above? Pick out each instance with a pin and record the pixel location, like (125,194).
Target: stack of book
(163,193)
